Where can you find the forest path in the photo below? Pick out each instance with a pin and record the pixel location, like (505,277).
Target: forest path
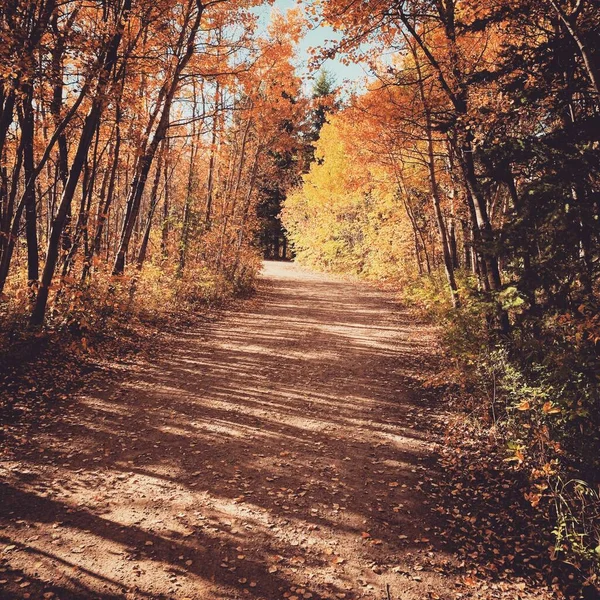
(275,453)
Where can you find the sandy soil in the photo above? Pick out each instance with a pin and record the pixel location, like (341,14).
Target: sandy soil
(278,452)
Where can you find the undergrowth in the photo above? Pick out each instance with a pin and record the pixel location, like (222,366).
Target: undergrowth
(532,401)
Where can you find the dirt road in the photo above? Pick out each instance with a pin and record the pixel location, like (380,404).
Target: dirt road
(275,453)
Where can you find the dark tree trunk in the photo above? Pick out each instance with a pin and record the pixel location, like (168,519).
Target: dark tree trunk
(145,162)
(153,202)
(107,63)
(435,191)
(26,120)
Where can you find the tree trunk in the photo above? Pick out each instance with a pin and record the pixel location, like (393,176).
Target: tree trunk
(104,209)
(435,192)
(211,161)
(145,162)
(7,239)
(586,55)
(153,202)
(246,210)
(164,242)
(26,121)
(187,207)
(87,188)
(107,63)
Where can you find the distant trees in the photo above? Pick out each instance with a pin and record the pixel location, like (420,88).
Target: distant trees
(290,164)
(498,102)
(324,102)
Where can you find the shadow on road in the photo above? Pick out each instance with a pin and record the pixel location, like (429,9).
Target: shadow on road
(279,452)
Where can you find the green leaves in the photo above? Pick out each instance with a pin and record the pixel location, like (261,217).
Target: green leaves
(511,299)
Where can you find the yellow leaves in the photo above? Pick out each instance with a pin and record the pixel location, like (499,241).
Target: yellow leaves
(347,207)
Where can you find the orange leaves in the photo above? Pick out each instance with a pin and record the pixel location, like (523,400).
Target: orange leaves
(518,455)
(550,409)
(547,408)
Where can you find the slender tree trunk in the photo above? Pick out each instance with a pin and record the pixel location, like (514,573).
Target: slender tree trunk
(246,210)
(104,209)
(453,244)
(6,116)
(187,208)
(435,191)
(133,203)
(7,240)
(164,242)
(587,56)
(107,64)
(466,244)
(153,202)
(145,162)
(425,250)
(486,234)
(211,161)
(62,165)
(236,174)
(416,237)
(26,121)
(7,103)
(154,198)
(479,264)
(12,238)
(190,191)
(89,175)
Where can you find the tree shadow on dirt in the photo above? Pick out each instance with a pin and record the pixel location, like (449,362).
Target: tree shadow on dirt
(279,451)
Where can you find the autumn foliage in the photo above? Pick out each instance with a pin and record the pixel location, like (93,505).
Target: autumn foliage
(146,149)
(136,139)
(468,176)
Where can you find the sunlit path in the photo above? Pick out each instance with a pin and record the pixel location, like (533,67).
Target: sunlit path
(273,454)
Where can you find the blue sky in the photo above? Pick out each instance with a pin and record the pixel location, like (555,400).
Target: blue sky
(345,75)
